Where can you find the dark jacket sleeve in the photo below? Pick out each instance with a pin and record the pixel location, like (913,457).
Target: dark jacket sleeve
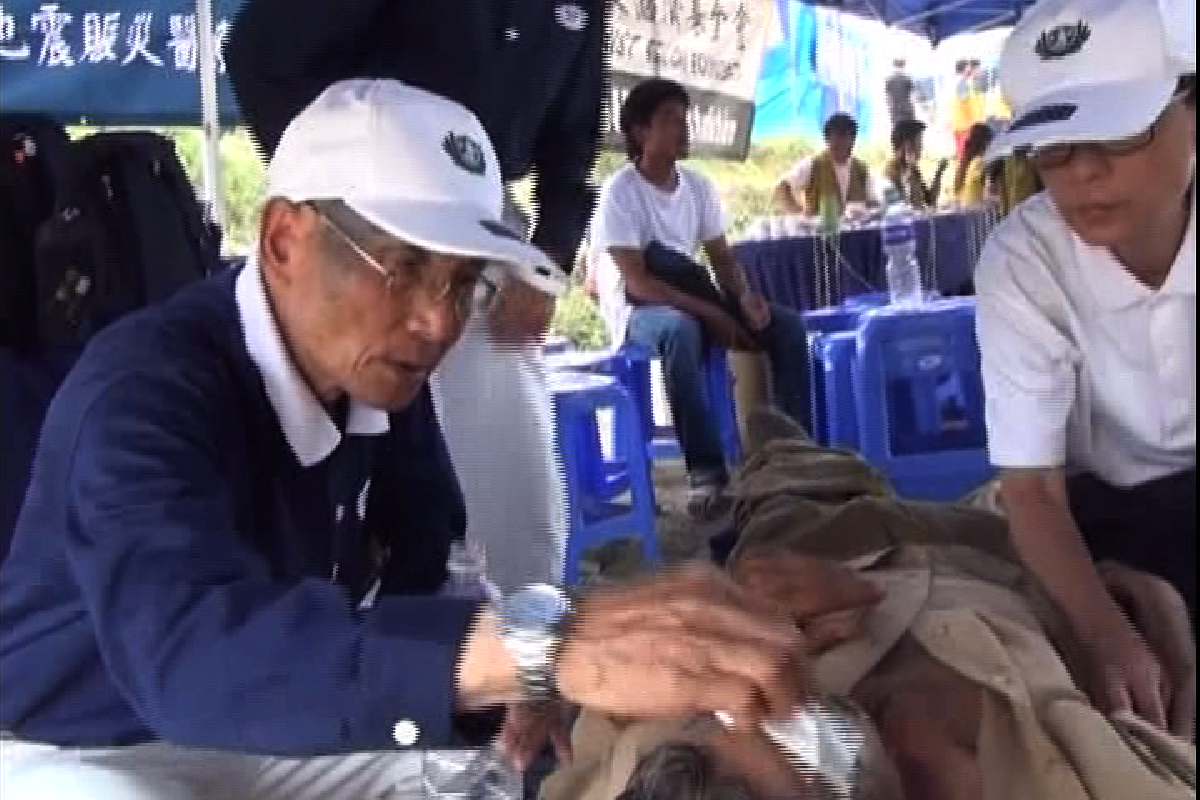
(200,635)
(567,145)
(282,54)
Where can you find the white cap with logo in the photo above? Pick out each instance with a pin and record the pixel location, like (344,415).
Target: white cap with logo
(412,163)
(1093,70)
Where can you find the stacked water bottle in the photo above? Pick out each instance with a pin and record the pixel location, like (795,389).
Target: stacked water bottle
(899,234)
(469,774)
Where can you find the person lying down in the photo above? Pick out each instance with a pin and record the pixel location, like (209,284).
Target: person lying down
(918,616)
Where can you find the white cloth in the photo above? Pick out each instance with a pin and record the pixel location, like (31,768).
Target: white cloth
(801,172)
(166,772)
(1084,367)
(632,213)
(494,405)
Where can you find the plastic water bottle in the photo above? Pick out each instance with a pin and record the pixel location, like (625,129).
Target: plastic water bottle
(469,775)
(466,568)
(899,234)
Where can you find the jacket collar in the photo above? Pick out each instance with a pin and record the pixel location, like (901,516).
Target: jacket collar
(305,423)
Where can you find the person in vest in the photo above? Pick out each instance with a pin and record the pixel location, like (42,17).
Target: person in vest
(903,172)
(835,176)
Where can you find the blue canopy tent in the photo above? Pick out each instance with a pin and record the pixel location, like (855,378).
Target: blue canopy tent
(935,20)
(814,71)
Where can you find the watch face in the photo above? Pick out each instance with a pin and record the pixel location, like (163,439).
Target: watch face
(535,606)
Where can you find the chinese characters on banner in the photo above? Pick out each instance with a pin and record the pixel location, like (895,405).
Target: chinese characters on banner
(85,54)
(713,47)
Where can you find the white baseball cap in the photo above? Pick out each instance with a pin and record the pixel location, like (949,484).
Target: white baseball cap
(1093,70)
(412,163)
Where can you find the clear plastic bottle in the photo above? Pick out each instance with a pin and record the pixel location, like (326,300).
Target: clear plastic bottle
(899,234)
(469,775)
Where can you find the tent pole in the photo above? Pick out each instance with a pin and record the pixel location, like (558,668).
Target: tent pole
(206,45)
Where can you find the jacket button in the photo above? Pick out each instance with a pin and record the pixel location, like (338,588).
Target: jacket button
(405,733)
(512,34)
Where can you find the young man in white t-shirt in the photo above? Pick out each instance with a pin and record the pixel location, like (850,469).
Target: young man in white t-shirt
(1087,319)
(654,205)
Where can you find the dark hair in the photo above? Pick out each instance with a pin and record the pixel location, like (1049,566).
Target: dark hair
(678,771)
(841,124)
(905,131)
(1187,88)
(642,103)
(979,138)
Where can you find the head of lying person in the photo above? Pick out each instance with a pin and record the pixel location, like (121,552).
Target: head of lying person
(707,760)
(382,234)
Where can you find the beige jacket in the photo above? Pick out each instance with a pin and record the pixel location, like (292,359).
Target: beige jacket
(951,584)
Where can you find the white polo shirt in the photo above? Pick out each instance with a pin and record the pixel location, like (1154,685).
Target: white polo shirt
(1084,367)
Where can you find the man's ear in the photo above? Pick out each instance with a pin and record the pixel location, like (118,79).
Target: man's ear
(284,236)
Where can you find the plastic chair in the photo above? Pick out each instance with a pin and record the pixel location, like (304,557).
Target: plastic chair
(919,398)
(719,384)
(598,518)
(630,365)
(835,361)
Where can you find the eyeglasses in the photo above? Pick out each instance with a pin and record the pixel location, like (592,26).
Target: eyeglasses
(1056,156)
(465,291)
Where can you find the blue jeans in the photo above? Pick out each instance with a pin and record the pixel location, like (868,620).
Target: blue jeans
(682,343)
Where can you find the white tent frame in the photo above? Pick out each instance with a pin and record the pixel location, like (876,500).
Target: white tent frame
(206,42)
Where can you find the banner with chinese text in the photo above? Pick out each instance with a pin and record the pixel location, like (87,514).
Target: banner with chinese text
(714,48)
(109,62)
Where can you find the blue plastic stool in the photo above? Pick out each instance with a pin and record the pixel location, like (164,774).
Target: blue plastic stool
(630,365)
(718,382)
(835,360)
(919,397)
(595,519)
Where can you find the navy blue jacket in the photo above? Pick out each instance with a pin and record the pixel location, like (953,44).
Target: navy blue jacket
(170,575)
(537,85)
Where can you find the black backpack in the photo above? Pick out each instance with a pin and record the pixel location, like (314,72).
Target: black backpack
(127,231)
(33,150)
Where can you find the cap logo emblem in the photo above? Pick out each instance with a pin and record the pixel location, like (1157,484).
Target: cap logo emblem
(465,152)
(571,17)
(1063,41)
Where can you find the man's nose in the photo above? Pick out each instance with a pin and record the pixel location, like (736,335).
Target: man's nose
(434,319)
(1087,164)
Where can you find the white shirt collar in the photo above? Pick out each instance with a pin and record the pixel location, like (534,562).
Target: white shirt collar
(306,425)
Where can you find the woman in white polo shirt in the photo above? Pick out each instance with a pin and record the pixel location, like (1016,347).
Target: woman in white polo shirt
(1087,320)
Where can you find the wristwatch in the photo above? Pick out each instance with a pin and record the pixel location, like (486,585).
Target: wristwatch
(533,620)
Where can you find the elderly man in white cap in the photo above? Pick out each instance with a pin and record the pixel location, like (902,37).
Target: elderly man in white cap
(1087,318)
(225,579)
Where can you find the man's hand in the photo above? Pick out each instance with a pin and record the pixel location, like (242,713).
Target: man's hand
(756,308)
(1161,616)
(1122,672)
(684,642)
(827,599)
(529,726)
(520,314)
(726,332)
